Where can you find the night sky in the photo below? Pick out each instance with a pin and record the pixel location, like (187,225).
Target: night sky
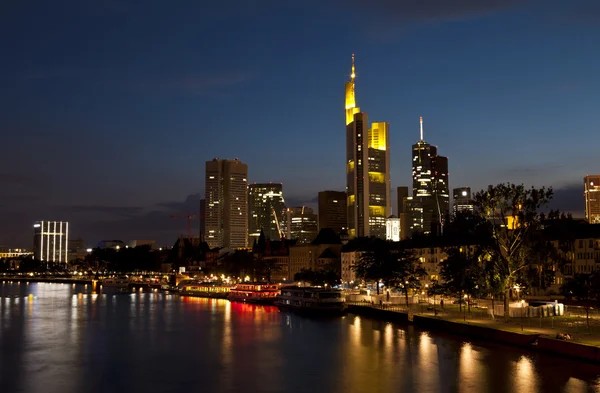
(109,109)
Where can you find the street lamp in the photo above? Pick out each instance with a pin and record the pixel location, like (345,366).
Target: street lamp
(522,306)
(465,307)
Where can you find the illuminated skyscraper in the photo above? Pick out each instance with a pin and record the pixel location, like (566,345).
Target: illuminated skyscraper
(265,210)
(333,211)
(302,224)
(50,241)
(592,198)
(431,197)
(226,190)
(462,199)
(367,169)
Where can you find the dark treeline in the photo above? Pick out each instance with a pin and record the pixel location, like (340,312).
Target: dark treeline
(505,243)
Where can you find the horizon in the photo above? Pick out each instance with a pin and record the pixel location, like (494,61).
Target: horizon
(110,119)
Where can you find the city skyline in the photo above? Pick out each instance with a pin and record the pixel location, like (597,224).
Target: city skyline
(129,130)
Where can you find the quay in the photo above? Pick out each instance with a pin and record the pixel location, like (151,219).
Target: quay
(584,347)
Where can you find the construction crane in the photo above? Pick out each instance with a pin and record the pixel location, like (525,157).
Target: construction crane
(189,218)
(277,223)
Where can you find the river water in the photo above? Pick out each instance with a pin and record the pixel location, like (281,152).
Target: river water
(63,338)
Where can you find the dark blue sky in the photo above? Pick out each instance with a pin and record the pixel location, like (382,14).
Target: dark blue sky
(109,109)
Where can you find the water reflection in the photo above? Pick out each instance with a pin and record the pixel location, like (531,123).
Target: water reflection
(62,338)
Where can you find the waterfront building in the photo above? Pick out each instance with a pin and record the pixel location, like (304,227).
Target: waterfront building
(431,197)
(333,212)
(226,204)
(462,200)
(324,250)
(392,229)
(367,169)
(6,253)
(266,208)
(592,198)
(50,241)
(301,224)
(348,260)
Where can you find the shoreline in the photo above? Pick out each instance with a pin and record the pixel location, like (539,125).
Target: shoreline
(47,280)
(529,341)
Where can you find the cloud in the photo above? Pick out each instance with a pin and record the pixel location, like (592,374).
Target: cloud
(569,198)
(119,211)
(301,201)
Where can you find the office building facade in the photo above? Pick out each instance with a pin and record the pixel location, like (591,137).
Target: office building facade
(51,241)
(301,224)
(431,197)
(367,169)
(333,211)
(592,198)
(226,200)
(462,201)
(266,208)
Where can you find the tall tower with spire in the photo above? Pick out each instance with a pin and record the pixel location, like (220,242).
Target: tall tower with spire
(367,169)
(431,195)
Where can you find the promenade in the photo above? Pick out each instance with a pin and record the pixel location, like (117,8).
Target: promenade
(573,322)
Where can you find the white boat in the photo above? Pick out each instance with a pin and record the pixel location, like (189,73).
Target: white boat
(311,300)
(121,282)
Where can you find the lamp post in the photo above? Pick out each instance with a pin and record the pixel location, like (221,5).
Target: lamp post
(465,307)
(522,306)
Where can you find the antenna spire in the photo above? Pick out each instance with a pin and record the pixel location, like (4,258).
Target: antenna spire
(421,127)
(353,74)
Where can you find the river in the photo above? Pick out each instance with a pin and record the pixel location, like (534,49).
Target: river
(63,338)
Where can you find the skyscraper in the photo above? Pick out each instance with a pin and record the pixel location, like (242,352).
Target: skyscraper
(302,224)
(226,203)
(367,169)
(333,211)
(462,199)
(431,196)
(51,241)
(592,198)
(402,192)
(266,208)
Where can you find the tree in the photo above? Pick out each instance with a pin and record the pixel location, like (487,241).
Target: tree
(463,272)
(322,277)
(395,267)
(513,218)
(265,267)
(585,288)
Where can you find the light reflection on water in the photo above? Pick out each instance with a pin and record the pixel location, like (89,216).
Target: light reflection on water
(65,338)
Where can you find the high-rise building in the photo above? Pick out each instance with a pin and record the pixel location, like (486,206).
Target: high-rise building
(301,224)
(333,211)
(462,199)
(402,192)
(431,196)
(226,203)
(592,198)
(367,169)
(51,241)
(266,209)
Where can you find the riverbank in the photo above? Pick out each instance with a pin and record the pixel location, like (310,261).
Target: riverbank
(56,280)
(494,330)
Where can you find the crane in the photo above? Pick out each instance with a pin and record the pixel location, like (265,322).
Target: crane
(277,223)
(189,218)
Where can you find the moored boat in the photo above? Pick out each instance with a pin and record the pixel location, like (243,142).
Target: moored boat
(204,289)
(311,300)
(256,293)
(120,282)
